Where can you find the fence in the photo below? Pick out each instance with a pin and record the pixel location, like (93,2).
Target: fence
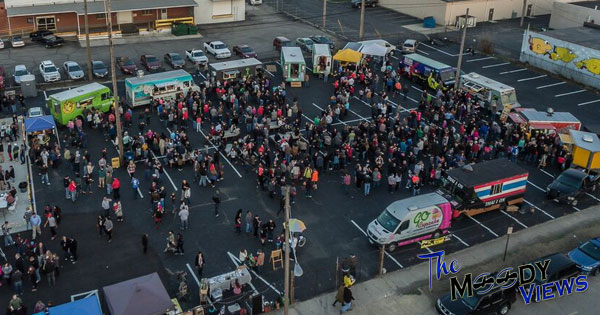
(167,23)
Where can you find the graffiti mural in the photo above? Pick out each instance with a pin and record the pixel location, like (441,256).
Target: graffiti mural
(592,65)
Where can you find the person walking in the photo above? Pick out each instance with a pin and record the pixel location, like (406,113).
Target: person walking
(8,241)
(49,268)
(260,261)
(217,201)
(186,192)
(116,186)
(17,281)
(72,246)
(72,190)
(248,221)
(135,184)
(36,222)
(238,222)
(339,297)
(16,305)
(64,244)
(100,225)
(51,222)
(171,244)
(118,209)
(106,206)
(179,242)
(145,243)
(184,213)
(33,278)
(199,263)
(348,298)
(108,228)
(27,218)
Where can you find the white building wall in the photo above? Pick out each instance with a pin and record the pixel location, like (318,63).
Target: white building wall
(566,15)
(204,13)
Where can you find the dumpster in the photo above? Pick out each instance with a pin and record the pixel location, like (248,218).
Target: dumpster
(429,22)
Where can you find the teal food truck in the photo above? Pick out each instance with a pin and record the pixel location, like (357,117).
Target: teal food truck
(70,104)
(143,89)
(293,64)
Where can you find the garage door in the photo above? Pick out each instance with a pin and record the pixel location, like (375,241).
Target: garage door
(221,8)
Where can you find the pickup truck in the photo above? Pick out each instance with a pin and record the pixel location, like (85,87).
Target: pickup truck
(218,49)
(197,57)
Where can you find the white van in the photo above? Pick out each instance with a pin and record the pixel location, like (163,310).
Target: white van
(390,48)
(411,220)
(409,46)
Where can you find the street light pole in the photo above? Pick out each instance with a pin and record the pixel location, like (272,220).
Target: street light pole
(523,13)
(87,40)
(286,279)
(508,233)
(362,20)
(460,53)
(324,13)
(111,53)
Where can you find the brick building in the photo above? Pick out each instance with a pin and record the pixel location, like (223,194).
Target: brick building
(24,16)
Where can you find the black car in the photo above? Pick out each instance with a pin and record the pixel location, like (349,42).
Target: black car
(38,35)
(570,184)
(496,301)
(322,39)
(368,3)
(561,267)
(99,69)
(52,41)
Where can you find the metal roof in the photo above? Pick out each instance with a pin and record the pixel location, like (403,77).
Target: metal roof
(584,36)
(80,90)
(427,61)
(485,172)
(292,54)
(158,76)
(95,7)
(533,115)
(234,64)
(585,140)
(400,208)
(486,82)
(321,50)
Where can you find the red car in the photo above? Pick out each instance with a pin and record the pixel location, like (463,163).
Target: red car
(244,51)
(126,65)
(150,62)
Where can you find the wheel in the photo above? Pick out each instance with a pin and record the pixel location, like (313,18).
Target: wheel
(392,247)
(437,234)
(502,206)
(504,309)
(301,242)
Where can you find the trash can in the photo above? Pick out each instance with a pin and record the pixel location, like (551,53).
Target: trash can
(23,187)
(192,29)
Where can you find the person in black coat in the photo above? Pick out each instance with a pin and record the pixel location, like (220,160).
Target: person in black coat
(347,306)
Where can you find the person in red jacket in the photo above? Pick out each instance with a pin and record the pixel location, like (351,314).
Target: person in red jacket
(116,184)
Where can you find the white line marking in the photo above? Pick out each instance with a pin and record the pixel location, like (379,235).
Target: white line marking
(221,153)
(536,186)
(485,227)
(193,274)
(202,75)
(362,101)
(279,63)
(536,207)
(165,170)
(532,78)
(569,93)
(549,85)
(235,262)
(267,71)
(594,197)
(309,69)
(429,250)
(496,65)
(516,220)
(392,56)
(45,97)
(479,59)
(577,209)
(459,239)
(443,52)
(347,121)
(547,173)
(426,53)
(513,71)
(386,253)
(255,274)
(590,102)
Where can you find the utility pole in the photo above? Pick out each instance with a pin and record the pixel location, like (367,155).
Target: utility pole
(113,72)
(523,13)
(362,20)
(87,41)
(462,46)
(381,257)
(286,271)
(324,13)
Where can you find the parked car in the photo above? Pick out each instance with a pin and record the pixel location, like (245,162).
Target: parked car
(322,39)
(73,70)
(218,49)
(197,57)
(281,41)
(51,41)
(2,75)
(254,2)
(38,35)
(20,71)
(17,41)
(409,46)
(560,267)
(587,256)
(570,184)
(496,301)
(1,44)
(244,51)
(368,3)
(126,65)
(174,60)
(304,43)
(35,112)
(99,69)
(150,62)
(49,71)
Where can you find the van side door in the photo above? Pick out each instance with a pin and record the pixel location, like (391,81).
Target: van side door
(403,230)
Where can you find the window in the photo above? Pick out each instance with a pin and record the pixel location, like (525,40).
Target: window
(146,12)
(496,189)
(403,226)
(106,96)
(29,20)
(101,16)
(46,23)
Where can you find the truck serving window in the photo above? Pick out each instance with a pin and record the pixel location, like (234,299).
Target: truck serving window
(447,75)
(388,221)
(509,97)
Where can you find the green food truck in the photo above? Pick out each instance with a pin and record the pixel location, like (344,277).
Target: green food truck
(67,105)
(293,64)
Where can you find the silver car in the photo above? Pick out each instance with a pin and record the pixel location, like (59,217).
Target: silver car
(73,70)
(20,71)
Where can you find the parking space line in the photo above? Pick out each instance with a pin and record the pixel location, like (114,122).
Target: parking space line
(545,172)
(362,101)
(593,197)
(577,209)
(420,90)
(392,56)
(45,98)
(496,65)
(569,93)
(386,253)
(481,224)
(340,122)
(480,59)
(459,239)
(429,250)
(538,208)
(513,71)
(396,106)
(536,186)
(549,85)
(426,53)
(443,52)
(193,274)
(235,261)
(165,170)
(516,220)
(309,69)
(202,75)
(221,153)
(532,78)
(590,102)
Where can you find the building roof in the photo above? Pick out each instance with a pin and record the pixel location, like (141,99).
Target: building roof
(95,7)
(399,208)
(486,82)
(485,172)
(427,61)
(235,64)
(292,55)
(587,4)
(585,140)
(584,36)
(532,114)
(80,90)
(321,50)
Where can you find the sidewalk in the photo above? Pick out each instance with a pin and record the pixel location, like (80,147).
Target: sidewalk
(399,292)
(154,37)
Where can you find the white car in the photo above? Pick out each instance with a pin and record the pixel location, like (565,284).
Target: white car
(73,70)
(254,2)
(35,112)
(218,49)
(1,44)
(17,41)
(49,71)
(20,71)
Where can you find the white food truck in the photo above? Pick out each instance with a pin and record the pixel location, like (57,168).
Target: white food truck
(490,90)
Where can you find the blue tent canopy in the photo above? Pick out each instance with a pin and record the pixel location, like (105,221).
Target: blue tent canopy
(39,123)
(88,306)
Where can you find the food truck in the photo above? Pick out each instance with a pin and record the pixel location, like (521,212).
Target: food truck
(482,187)
(235,69)
(411,220)
(292,64)
(321,59)
(489,90)
(431,73)
(69,104)
(143,89)
(585,149)
(548,122)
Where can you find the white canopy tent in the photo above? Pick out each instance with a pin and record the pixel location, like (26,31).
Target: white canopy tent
(373,50)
